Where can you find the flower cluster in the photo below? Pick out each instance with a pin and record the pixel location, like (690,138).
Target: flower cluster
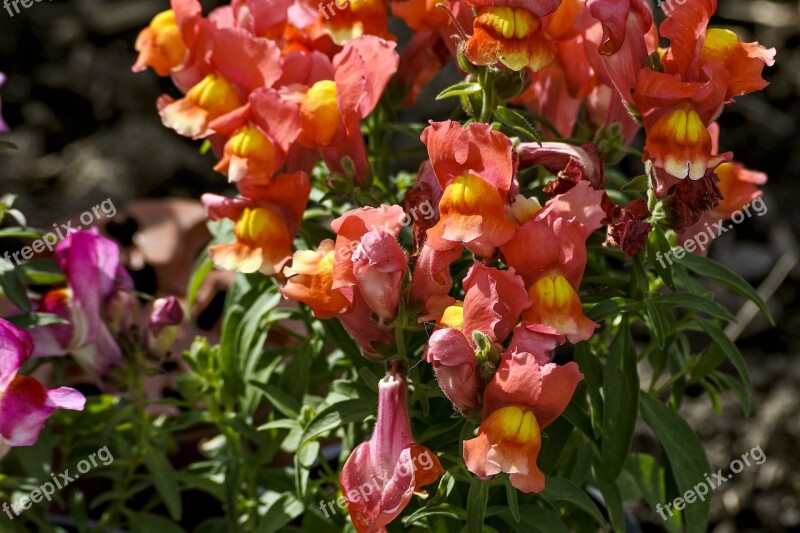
(274,86)
(272,89)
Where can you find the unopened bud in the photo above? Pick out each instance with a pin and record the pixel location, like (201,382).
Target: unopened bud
(121,310)
(162,327)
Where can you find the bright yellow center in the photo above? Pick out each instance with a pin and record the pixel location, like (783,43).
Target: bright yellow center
(513,425)
(259,228)
(509,22)
(250,142)
(718,45)
(469,195)
(684,126)
(164,22)
(320,114)
(453,317)
(215,94)
(552,292)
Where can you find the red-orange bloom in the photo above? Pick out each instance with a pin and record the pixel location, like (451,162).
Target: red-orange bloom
(310,280)
(703,70)
(265,225)
(525,396)
(549,252)
(160,45)
(475,167)
(509,35)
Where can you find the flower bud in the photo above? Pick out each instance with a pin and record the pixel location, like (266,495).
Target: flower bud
(121,309)
(162,327)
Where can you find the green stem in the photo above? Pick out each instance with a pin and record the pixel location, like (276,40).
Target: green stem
(140,423)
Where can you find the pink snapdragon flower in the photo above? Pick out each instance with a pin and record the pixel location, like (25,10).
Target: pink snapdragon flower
(382,474)
(25,404)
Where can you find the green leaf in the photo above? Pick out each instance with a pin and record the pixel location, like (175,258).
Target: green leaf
(637,185)
(202,266)
(621,387)
(608,307)
(17,232)
(738,390)
(694,301)
(165,481)
(560,489)
(518,124)
(613,502)
(513,501)
(35,320)
(657,322)
(537,519)
(658,249)
(149,522)
(477,498)
(685,453)
(283,510)
(444,509)
(459,89)
(337,415)
(280,399)
(711,359)
(649,478)
(11,282)
(716,271)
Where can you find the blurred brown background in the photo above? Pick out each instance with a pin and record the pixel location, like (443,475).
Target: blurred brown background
(87,130)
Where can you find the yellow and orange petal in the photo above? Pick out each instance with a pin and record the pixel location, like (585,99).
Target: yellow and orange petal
(511,36)
(211,98)
(311,281)
(744,61)
(679,143)
(248,154)
(473,212)
(508,440)
(263,243)
(319,111)
(738,186)
(347,20)
(556,305)
(160,45)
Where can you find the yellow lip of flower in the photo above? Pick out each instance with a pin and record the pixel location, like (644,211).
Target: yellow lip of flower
(688,141)
(249,144)
(453,316)
(513,425)
(509,22)
(161,44)
(553,292)
(260,228)
(469,195)
(320,114)
(215,94)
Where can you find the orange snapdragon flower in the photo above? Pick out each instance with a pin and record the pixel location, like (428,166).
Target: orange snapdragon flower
(511,33)
(475,167)
(525,395)
(265,225)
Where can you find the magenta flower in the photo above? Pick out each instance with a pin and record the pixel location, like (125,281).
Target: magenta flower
(25,404)
(3,125)
(92,266)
